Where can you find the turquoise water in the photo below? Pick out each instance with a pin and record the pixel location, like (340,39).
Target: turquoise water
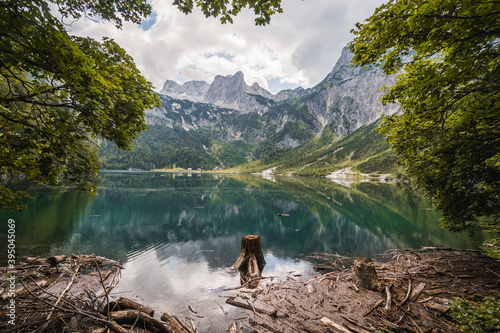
(178,234)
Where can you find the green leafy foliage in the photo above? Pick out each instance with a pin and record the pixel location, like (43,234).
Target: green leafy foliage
(60,93)
(447,135)
(481,317)
(492,248)
(226,9)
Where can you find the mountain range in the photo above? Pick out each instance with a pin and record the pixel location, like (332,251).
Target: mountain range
(228,123)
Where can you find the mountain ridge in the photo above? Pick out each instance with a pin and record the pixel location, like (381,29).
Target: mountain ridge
(227,123)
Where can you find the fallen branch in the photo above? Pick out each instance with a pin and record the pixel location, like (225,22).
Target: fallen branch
(104,287)
(250,307)
(183,324)
(376,305)
(329,322)
(68,286)
(123,303)
(389,298)
(493,272)
(249,282)
(174,324)
(355,326)
(408,292)
(131,316)
(321,277)
(415,294)
(98,317)
(415,324)
(115,281)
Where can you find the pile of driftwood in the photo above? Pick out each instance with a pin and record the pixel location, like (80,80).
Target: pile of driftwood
(60,294)
(407,291)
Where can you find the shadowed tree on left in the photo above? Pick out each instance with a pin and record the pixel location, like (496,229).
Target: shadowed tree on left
(59,93)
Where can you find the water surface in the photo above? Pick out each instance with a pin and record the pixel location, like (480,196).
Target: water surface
(178,234)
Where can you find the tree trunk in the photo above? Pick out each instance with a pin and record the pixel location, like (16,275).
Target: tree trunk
(366,275)
(251,261)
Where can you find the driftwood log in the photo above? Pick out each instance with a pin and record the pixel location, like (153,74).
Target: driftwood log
(123,303)
(176,324)
(140,318)
(251,260)
(366,275)
(55,260)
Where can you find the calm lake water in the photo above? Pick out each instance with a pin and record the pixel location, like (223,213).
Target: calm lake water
(178,234)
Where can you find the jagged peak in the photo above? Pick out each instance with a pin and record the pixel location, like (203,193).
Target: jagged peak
(238,76)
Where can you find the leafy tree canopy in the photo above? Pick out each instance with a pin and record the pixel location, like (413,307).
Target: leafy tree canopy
(226,9)
(60,93)
(447,134)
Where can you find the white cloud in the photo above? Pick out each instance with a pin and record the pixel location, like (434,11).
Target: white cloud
(299,47)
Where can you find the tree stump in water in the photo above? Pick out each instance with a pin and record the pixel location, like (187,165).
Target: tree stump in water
(251,261)
(366,275)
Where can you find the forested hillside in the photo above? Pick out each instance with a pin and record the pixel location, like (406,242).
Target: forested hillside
(164,147)
(365,151)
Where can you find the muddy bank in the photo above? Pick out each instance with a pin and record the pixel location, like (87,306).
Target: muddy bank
(413,294)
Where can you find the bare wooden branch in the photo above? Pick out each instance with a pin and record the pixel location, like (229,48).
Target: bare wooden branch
(117,328)
(130,316)
(389,298)
(115,281)
(415,293)
(408,292)
(123,303)
(103,287)
(250,307)
(329,322)
(65,289)
(174,324)
(376,305)
(184,324)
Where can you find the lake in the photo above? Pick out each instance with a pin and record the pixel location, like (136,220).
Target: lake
(177,235)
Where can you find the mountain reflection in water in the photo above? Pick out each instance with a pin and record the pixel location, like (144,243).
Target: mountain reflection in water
(178,234)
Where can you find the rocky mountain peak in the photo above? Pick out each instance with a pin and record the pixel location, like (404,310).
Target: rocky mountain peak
(233,92)
(191,90)
(230,91)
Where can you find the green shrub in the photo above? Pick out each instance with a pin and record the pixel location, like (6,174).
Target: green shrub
(482,316)
(491,247)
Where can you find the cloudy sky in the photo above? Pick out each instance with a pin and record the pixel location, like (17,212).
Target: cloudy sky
(299,47)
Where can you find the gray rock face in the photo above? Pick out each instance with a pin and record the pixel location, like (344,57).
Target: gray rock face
(229,91)
(348,98)
(190,90)
(289,94)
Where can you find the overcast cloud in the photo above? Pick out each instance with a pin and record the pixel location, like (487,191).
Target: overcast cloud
(299,47)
